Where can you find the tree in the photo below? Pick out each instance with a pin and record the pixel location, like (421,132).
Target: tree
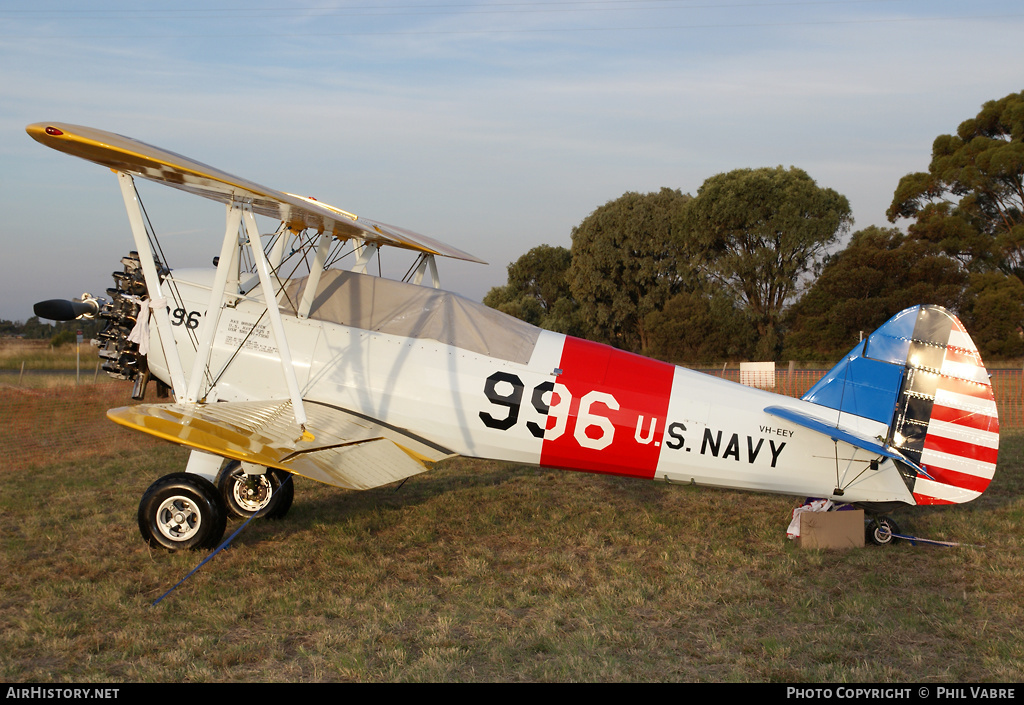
(757,232)
(627,261)
(36,329)
(970,203)
(538,290)
(971,200)
(992,310)
(698,327)
(879,273)
(64,337)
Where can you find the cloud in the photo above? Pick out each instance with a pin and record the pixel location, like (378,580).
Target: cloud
(495,131)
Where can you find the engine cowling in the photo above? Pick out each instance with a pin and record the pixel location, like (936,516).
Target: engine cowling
(122,359)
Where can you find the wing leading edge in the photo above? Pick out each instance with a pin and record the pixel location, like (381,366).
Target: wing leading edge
(346,450)
(130,156)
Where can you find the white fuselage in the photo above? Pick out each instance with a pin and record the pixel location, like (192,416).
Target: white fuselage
(574,404)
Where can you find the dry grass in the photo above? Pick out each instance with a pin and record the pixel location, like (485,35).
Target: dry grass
(33,364)
(484,571)
(39,355)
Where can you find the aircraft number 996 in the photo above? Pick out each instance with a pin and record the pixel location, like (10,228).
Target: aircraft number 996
(506,390)
(190,319)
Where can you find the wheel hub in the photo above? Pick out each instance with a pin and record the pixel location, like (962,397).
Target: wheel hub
(178,518)
(253,492)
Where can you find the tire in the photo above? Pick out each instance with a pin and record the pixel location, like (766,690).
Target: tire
(182,511)
(880,531)
(270,494)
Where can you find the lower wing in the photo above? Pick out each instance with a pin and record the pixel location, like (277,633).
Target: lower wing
(337,447)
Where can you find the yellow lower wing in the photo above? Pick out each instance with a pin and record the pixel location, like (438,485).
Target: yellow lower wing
(339,448)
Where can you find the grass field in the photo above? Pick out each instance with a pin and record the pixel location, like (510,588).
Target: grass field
(483,571)
(35,364)
(39,355)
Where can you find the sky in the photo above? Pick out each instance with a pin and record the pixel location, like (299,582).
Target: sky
(493,126)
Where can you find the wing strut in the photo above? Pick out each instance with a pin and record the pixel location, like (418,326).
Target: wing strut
(365,252)
(212,318)
(427,266)
(315,270)
(163,320)
(274,312)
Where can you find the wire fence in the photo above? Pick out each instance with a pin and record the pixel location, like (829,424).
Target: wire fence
(1007,385)
(41,426)
(68,422)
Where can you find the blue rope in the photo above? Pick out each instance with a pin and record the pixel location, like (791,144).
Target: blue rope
(914,540)
(218,550)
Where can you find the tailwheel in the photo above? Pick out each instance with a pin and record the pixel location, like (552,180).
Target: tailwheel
(182,511)
(880,531)
(271,494)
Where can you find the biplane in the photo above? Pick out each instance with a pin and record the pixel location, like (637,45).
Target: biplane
(345,377)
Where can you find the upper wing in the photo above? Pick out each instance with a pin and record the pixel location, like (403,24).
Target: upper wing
(140,159)
(341,448)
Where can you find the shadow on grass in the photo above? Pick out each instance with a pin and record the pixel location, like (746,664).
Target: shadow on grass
(463,481)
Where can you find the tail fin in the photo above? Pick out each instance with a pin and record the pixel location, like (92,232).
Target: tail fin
(922,375)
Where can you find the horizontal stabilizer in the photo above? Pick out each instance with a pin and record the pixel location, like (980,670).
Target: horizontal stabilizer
(838,433)
(338,448)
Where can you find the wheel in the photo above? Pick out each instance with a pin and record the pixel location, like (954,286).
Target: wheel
(182,511)
(880,530)
(244,495)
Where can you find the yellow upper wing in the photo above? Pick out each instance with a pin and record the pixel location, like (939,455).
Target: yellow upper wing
(140,159)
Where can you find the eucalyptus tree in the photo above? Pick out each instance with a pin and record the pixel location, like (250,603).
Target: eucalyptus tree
(628,260)
(538,290)
(971,200)
(970,203)
(880,272)
(756,233)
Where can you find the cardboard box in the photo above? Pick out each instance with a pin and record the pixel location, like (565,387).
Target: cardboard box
(841,529)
